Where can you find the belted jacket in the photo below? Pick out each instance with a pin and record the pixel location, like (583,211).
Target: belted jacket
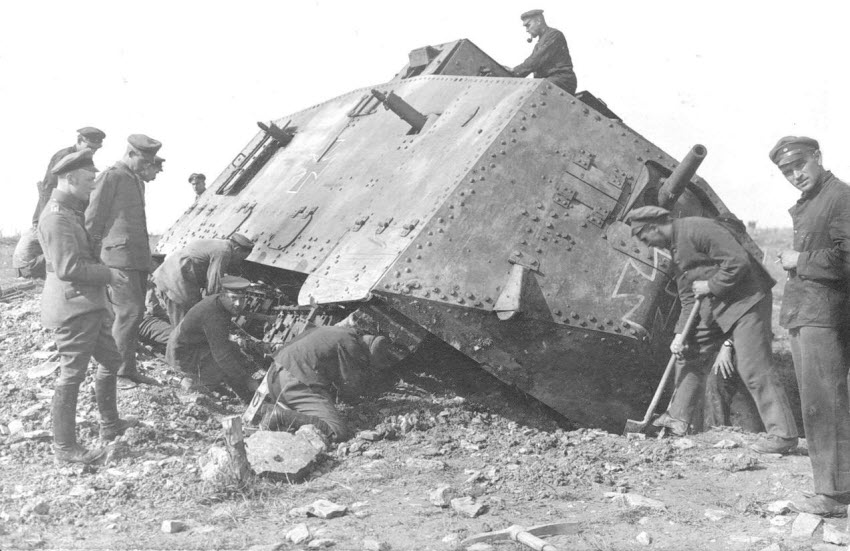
(197,266)
(76,280)
(115,219)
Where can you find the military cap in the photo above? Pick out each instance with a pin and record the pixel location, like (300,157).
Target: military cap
(791,148)
(145,145)
(92,134)
(531,13)
(242,240)
(379,351)
(641,216)
(234,283)
(196,176)
(74,161)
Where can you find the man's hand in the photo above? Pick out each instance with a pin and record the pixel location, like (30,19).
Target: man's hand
(678,345)
(788,259)
(700,288)
(117,278)
(723,364)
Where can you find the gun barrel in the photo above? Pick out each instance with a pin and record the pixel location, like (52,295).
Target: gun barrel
(682,174)
(404,110)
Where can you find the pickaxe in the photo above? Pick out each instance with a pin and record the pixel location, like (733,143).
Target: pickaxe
(527,536)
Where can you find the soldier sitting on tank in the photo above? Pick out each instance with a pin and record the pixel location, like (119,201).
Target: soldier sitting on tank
(316,365)
(736,301)
(195,269)
(200,345)
(550,58)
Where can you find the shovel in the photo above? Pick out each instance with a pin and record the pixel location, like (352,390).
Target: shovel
(633,426)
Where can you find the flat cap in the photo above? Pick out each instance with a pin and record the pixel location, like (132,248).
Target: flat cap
(145,145)
(379,351)
(791,148)
(530,13)
(92,134)
(641,216)
(74,161)
(234,283)
(196,176)
(242,240)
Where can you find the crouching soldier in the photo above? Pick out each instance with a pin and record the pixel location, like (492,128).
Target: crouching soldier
(200,345)
(74,304)
(305,373)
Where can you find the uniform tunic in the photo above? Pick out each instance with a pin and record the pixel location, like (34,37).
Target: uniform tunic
(813,308)
(200,347)
(185,273)
(115,219)
(550,59)
(739,305)
(312,366)
(74,298)
(28,259)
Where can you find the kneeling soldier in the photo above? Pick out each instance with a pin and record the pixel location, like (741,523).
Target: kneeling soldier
(74,304)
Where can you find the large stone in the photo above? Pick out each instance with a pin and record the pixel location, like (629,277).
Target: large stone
(314,436)
(468,506)
(442,496)
(323,508)
(172,526)
(16,426)
(644,539)
(280,453)
(805,525)
(833,535)
(424,464)
(726,444)
(214,464)
(299,534)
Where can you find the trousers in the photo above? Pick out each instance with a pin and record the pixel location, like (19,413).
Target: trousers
(129,306)
(751,335)
(176,311)
(312,400)
(79,339)
(821,369)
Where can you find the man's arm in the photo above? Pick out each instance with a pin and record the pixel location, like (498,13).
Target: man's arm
(219,262)
(832,263)
(57,239)
(732,258)
(100,205)
(224,352)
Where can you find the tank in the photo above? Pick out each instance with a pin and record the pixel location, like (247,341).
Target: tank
(485,210)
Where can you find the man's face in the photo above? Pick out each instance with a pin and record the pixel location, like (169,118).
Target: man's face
(84,143)
(148,172)
(533,26)
(83,183)
(805,172)
(199,185)
(235,302)
(651,236)
(138,163)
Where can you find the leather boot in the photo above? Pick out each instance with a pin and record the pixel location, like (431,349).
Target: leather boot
(279,418)
(64,412)
(111,425)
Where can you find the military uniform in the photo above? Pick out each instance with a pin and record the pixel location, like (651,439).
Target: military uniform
(187,272)
(813,309)
(48,183)
(28,259)
(115,219)
(739,305)
(550,59)
(200,347)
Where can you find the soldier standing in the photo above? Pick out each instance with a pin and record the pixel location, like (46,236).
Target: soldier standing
(813,309)
(550,58)
(115,219)
(74,304)
(737,303)
(197,267)
(88,137)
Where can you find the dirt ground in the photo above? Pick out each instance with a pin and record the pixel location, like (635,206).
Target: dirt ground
(460,427)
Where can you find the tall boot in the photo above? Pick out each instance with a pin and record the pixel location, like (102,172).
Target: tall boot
(65,447)
(111,425)
(279,418)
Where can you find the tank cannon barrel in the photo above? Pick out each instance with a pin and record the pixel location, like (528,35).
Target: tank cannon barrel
(675,184)
(404,110)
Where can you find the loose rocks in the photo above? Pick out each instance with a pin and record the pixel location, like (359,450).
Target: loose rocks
(468,506)
(280,453)
(323,508)
(299,534)
(442,496)
(172,526)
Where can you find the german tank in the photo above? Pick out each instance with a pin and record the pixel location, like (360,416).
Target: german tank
(485,210)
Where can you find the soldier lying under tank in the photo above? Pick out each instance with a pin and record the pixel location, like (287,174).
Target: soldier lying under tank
(309,371)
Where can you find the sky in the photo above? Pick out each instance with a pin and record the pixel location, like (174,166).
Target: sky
(732,75)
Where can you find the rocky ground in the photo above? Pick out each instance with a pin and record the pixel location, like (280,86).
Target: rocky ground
(444,452)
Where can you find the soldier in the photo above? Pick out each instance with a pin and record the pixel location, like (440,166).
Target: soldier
(196,268)
(150,172)
(306,371)
(115,219)
(74,304)
(737,301)
(199,183)
(28,260)
(200,346)
(550,58)
(813,308)
(88,137)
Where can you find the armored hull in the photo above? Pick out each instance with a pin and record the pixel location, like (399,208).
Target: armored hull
(494,222)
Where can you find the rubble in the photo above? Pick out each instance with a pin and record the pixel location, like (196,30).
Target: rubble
(314,436)
(684,443)
(805,525)
(281,453)
(323,508)
(644,539)
(779,507)
(635,501)
(372,544)
(745,539)
(726,444)
(37,507)
(715,515)
(834,535)
(173,526)
(299,534)
(321,543)
(214,463)
(424,464)
(468,506)
(480,546)
(442,496)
